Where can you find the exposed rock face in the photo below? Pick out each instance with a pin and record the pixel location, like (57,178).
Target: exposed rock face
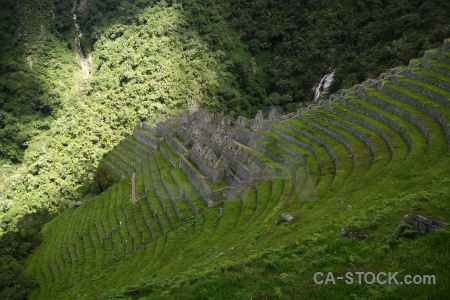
(423,224)
(353,234)
(286,217)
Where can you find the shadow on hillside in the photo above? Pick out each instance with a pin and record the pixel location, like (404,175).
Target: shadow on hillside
(15,247)
(29,91)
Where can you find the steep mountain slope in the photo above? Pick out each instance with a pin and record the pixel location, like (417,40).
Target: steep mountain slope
(352,166)
(151,59)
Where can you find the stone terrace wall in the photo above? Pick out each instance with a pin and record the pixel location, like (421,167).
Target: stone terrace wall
(388,121)
(401,112)
(195,178)
(436,114)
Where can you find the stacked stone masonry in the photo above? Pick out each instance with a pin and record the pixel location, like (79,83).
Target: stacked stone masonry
(369,125)
(436,114)
(223,157)
(359,134)
(332,134)
(400,112)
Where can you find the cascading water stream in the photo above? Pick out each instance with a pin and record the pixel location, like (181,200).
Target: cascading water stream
(86,62)
(78,31)
(323,86)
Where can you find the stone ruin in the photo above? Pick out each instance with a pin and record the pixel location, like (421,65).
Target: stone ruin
(422,224)
(211,150)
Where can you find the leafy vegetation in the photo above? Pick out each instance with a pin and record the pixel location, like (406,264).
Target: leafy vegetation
(148,60)
(153,58)
(14,247)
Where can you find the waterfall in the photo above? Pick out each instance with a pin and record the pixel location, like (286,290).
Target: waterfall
(78,31)
(328,78)
(86,62)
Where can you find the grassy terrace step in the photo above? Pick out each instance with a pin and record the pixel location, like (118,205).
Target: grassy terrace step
(121,216)
(55,241)
(395,106)
(436,78)
(323,170)
(112,220)
(377,144)
(377,115)
(46,265)
(144,215)
(263,192)
(425,93)
(269,144)
(150,222)
(129,154)
(309,120)
(162,223)
(360,150)
(131,163)
(428,89)
(147,177)
(435,110)
(324,116)
(147,137)
(124,165)
(298,137)
(259,156)
(147,132)
(249,205)
(400,147)
(377,164)
(171,186)
(438,143)
(166,188)
(438,54)
(372,129)
(194,197)
(293,140)
(164,214)
(172,155)
(213,186)
(115,168)
(127,143)
(437,66)
(418,139)
(140,186)
(230,216)
(140,145)
(345,157)
(288,147)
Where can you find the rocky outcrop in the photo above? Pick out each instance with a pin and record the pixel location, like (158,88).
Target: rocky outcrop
(422,224)
(353,234)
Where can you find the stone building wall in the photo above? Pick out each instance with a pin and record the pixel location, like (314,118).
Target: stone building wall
(175,145)
(195,178)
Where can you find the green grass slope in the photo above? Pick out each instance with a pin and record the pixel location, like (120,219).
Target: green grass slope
(384,153)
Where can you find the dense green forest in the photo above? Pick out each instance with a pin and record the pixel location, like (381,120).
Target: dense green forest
(148,60)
